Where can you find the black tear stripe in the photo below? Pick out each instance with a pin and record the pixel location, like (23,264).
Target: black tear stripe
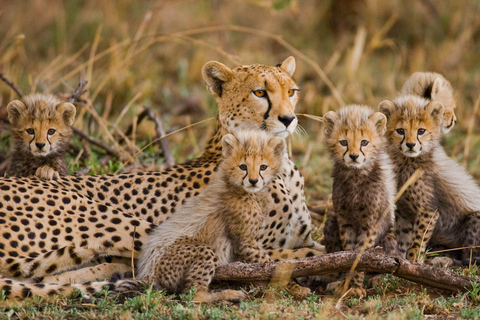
(362,151)
(345,151)
(260,173)
(48,140)
(29,147)
(419,143)
(401,142)
(428,92)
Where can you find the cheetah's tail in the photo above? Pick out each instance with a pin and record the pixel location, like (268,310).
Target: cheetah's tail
(14,289)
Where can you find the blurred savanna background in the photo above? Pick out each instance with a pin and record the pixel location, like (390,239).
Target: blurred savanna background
(138,54)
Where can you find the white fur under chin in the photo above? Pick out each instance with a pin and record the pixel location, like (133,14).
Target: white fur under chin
(283,134)
(411,154)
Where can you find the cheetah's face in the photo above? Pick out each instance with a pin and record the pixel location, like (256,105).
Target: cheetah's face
(40,128)
(354,135)
(414,124)
(252,159)
(255,97)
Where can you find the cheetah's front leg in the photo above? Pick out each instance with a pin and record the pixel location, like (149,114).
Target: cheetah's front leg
(423,230)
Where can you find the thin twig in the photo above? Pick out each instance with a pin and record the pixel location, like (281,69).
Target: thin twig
(159,138)
(78,92)
(11,85)
(94,141)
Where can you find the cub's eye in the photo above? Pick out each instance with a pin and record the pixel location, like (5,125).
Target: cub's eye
(243,167)
(263,167)
(51,131)
(421,131)
(365,143)
(291,92)
(400,131)
(343,143)
(260,93)
(30,131)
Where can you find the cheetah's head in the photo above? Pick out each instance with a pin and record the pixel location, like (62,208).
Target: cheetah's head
(255,97)
(41,124)
(354,135)
(414,124)
(252,159)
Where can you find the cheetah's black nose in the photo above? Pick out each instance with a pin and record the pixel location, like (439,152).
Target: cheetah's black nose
(253,181)
(410,145)
(354,157)
(39,145)
(286,120)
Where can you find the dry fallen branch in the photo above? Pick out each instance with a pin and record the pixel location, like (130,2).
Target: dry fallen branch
(373,260)
(11,85)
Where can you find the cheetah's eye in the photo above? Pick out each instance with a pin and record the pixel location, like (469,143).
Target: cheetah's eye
(343,143)
(30,131)
(51,131)
(364,143)
(421,131)
(263,167)
(243,167)
(400,131)
(291,92)
(260,93)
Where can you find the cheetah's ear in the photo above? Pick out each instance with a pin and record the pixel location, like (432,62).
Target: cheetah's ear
(229,142)
(14,110)
(68,111)
(435,109)
(329,120)
(387,107)
(278,145)
(380,122)
(436,87)
(288,65)
(215,75)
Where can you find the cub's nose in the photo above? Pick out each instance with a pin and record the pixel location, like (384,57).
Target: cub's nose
(253,181)
(286,120)
(354,157)
(39,145)
(410,145)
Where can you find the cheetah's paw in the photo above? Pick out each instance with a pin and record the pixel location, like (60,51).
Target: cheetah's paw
(47,173)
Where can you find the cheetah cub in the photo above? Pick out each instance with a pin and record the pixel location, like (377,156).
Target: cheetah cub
(433,86)
(219,226)
(41,126)
(442,208)
(363,186)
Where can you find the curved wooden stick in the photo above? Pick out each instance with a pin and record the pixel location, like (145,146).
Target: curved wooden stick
(373,260)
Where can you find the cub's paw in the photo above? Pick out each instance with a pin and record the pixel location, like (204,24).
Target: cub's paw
(47,173)
(215,296)
(297,290)
(441,262)
(336,288)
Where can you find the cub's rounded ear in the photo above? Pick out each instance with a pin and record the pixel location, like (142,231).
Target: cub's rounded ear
(436,87)
(14,110)
(436,109)
(329,120)
(229,142)
(288,65)
(380,122)
(278,144)
(387,107)
(215,75)
(68,111)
